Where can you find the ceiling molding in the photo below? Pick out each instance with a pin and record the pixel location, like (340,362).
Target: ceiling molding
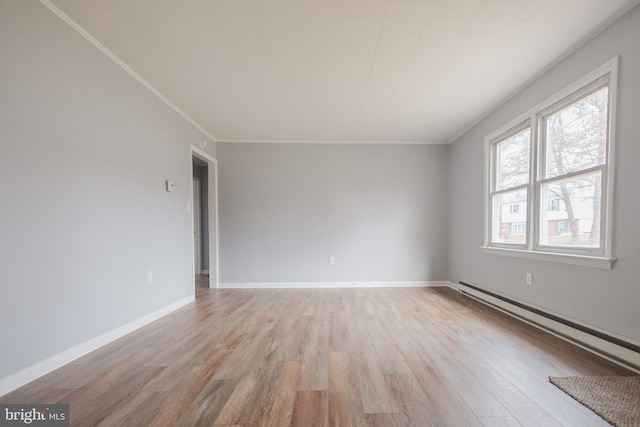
(294,141)
(238,123)
(53,8)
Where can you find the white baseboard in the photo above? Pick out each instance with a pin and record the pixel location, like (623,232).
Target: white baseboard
(399,284)
(30,373)
(285,285)
(309,285)
(449,284)
(620,355)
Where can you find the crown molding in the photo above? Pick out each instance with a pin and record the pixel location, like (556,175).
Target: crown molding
(339,142)
(73,24)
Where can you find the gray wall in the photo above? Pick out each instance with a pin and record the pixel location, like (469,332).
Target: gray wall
(286,208)
(605,299)
(80,230)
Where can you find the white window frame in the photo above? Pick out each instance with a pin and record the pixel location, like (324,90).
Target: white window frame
(600,257)
(491,175)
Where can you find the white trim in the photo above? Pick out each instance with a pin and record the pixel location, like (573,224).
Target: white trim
(285,285)
(400,284)
(310,285)
(450,285)
(196,210)
(30,373)
(611,155)
(53,8)
(346,142)
(212,161)
(615,353)
(204,271)
(611,66)
(560,258)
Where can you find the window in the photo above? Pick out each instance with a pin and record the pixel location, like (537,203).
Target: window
(550,176)
(518,229)
(554,205)
(561,227)
(511,157)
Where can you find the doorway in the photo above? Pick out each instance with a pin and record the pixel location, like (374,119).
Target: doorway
(205,219)
(198,221)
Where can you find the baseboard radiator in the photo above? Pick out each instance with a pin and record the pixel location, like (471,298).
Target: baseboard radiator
(614,348)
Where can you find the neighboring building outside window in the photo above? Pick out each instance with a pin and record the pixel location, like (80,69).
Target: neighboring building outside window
(518,229)
(554,205)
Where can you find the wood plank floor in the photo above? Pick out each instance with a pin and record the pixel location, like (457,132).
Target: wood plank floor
(320,357)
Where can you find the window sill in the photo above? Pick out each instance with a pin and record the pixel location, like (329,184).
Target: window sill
(571,259)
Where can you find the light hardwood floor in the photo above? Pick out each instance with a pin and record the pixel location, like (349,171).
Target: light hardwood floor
(320,357)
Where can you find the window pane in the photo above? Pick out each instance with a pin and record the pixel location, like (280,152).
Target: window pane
(512,161)
(571,214)
(510,217)
(577,135)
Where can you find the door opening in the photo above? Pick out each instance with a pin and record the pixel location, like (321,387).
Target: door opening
(200,223)
(197,226)
(205,219)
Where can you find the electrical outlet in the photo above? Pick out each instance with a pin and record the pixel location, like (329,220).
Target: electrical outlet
(332,260)
(149,277)
(530,279)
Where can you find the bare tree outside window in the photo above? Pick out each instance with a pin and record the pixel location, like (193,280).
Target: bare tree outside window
(513,160)
(576,141)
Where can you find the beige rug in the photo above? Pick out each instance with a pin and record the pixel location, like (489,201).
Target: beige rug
(616,399)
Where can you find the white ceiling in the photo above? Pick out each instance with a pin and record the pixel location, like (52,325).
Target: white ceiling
(339,70)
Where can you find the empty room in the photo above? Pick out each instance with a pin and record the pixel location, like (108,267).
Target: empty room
(319,213)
